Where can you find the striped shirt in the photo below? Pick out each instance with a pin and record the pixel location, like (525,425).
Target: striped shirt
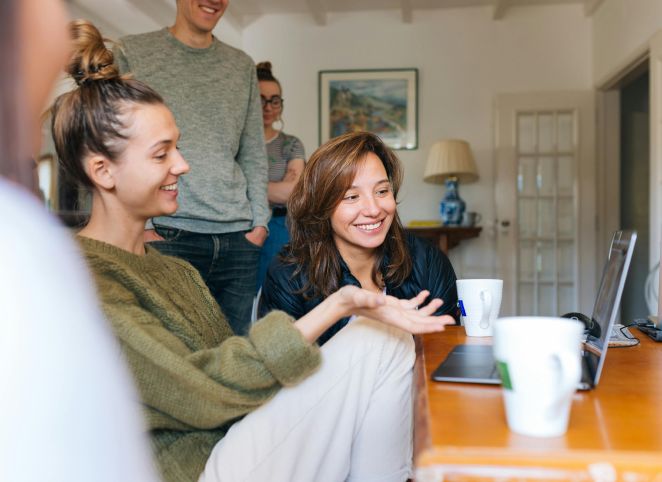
(280,151)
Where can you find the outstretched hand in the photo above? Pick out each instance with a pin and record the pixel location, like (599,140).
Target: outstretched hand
(402,314)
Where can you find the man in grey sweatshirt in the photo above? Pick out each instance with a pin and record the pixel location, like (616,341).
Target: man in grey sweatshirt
(211,89)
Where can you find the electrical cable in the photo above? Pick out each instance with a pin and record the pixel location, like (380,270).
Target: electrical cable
(625,334)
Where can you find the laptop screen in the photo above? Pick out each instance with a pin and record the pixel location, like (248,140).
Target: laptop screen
(609,297)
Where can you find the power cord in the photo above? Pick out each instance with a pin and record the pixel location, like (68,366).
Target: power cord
(628,335)
(648,328)
(625,334)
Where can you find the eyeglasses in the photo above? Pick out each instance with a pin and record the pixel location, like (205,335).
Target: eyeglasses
(276,102)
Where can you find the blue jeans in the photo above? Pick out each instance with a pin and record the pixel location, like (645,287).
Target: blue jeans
(227,263)
(278,236)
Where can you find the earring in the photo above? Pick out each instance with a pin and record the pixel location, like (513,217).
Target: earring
(282,123)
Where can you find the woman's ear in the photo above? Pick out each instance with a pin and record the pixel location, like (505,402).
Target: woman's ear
(100,171)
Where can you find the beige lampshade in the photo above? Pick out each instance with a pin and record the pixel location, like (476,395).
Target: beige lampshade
(450,158)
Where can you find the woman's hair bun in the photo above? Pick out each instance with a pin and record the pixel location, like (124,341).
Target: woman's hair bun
(264,73)
(264,66)
(91,60)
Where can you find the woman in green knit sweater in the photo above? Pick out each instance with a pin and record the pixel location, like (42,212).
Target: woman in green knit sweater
(269,406)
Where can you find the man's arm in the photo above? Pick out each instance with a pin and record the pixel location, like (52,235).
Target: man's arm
(252,157)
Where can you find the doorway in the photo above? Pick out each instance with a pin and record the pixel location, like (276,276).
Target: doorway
(625,180)
(635,190)
(545,193)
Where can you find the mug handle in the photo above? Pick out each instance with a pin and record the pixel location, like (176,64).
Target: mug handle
(486,296)
(478,218)
(571,373)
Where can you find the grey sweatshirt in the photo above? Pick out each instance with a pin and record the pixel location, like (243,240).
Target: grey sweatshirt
(214,96)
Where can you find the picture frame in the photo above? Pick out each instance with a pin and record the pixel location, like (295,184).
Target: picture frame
(382,101)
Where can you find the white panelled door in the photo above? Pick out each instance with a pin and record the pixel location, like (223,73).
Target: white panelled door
(546,202)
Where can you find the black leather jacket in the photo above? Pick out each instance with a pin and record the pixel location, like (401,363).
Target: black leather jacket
(431,271)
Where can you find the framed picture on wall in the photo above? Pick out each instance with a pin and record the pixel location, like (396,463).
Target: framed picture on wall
(384,102)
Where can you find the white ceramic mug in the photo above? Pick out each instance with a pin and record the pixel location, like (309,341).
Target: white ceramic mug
(539,362)
(471,219)
(480,301)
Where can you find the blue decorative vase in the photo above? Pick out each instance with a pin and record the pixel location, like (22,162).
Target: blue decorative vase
(452,207)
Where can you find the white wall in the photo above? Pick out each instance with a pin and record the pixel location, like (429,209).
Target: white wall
(464,59)
(227,32)
(620,28)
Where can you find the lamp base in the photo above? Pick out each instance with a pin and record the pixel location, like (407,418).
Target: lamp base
(452,207)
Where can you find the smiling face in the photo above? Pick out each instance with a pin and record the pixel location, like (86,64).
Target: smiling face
(364,216)
(201,15)
(146,174)
(268,90)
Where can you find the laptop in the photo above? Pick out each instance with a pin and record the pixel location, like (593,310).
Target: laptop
(475,363)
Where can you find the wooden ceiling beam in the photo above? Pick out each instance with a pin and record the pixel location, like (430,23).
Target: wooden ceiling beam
(591,6)
(500,7)
(407,13)
(317,11)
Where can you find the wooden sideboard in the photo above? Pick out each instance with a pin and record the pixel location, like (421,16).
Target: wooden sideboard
(445,237)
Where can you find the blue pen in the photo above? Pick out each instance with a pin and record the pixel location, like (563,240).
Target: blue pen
(464,313)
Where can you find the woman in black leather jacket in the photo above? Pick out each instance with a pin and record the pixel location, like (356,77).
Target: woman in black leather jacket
(345,230)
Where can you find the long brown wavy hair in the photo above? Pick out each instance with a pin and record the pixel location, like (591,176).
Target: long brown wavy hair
(326,178)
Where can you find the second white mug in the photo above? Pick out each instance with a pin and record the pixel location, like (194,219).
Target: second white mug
(539,362)
(480,301)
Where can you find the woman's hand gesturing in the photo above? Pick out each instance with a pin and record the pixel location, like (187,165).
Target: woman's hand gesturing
(392,311)
(351,300)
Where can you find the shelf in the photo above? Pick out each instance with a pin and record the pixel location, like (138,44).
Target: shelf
(445,237)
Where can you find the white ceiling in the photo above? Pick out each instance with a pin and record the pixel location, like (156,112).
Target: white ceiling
(301,6)
(126,15)
(318,8)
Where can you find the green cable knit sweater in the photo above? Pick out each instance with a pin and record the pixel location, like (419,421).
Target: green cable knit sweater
(195,378)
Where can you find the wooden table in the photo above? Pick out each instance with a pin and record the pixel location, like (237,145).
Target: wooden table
(445,237)
(615,430)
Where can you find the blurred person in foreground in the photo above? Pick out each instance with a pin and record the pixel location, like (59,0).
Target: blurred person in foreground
(67,407)
(286,159)
(270,406)
(345,231)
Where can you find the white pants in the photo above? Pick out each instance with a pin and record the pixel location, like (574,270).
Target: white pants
(351,420)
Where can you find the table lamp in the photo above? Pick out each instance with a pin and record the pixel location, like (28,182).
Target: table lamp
(451,161)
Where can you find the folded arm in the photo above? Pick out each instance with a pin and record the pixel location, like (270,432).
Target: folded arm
(279,192)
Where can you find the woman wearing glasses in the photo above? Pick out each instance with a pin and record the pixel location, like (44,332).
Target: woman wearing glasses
(285,156)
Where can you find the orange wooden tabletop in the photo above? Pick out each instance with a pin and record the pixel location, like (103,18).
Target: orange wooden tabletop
(463,428)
